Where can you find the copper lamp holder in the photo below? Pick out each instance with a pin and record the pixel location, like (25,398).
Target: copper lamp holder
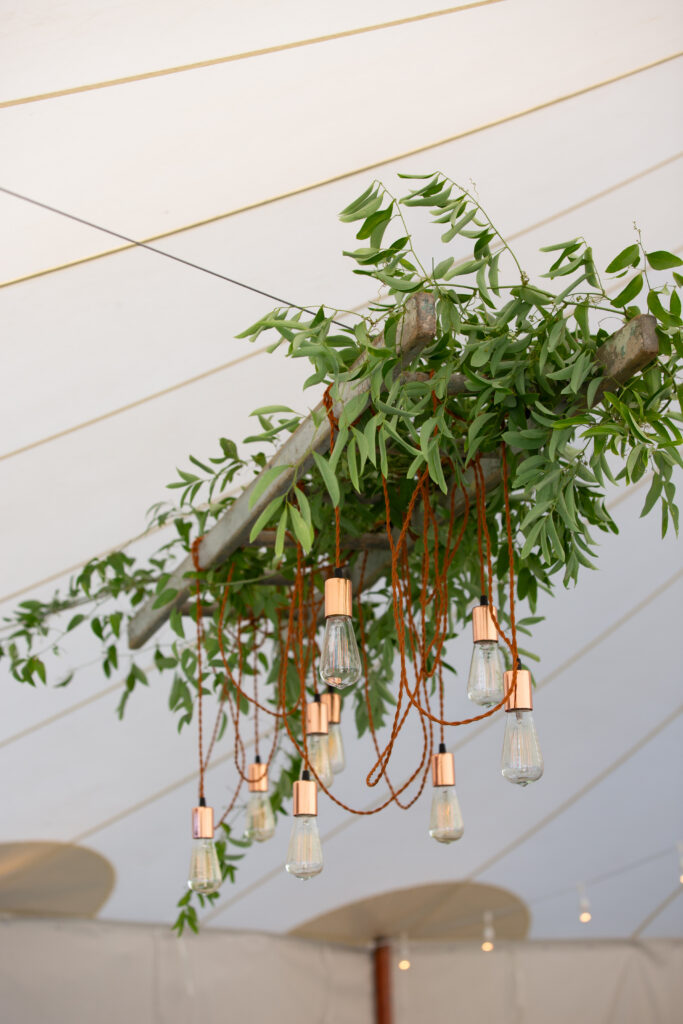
(316,718)
(483,627)
(257,777)
(443,768)
(202,822)
(520,699)
(337,596)
(332,701)
(305,797)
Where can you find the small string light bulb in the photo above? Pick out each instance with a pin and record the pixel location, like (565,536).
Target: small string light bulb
(332,701)
(445,819)
(521,760)
(318,740)
(584,905)
(403,954)
(304,855)
(260,818)
(489,933)
(204,875)
(340,664)
(485,681)
(680,862)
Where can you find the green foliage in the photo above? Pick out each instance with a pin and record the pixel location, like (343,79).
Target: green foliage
(512,361)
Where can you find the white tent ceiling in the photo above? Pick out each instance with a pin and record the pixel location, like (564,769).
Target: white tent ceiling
(116,367)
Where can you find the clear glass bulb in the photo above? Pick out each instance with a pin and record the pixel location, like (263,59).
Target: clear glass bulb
(260,818)
(522,761)
(340,664)
(205,871)
(304,855)
(336,748)
(445,819)
(319,757)
(485,682)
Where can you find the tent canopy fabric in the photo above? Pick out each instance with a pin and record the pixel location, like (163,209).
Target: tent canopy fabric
(233,139)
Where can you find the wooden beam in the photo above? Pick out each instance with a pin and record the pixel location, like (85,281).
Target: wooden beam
(627,352)
(231,531)
(364,542)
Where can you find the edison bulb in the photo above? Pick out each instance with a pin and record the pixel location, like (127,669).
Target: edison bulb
(336,748)
(205,871)
(522,761)
(445,820)
(304,855)
(485,681)
(260,818)
(340,664)
(319,757)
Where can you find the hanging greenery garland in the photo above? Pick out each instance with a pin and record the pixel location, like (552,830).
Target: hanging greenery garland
(470,468)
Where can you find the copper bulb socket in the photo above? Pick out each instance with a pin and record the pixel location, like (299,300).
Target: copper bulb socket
(520,698)
(257,777)
(443,770)
(305,800)
(202,822)
(332,702)
(316,718)
(483,626)
(337,596)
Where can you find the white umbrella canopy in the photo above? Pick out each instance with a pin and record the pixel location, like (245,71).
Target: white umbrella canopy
(116,367)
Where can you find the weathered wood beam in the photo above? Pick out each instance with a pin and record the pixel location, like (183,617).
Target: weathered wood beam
(623,355)
(232,530)
(364,542)
(628,351)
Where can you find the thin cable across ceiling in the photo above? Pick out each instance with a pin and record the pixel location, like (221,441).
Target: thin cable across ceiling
(344,175)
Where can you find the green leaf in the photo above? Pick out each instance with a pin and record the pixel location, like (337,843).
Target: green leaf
(531,539)
(592,391)
(560,245)
(266,410)
(280,533)
(662,260)
(352,462)
(75,621)
(329,478)
(176,622)
(164,598)
(265,477)
(628,257)
(629,292)
(652,494)
(303,531)
(265,516)
(655,306)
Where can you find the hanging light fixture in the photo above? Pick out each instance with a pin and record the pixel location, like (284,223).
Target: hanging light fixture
(445,819)
(205,872)
(522,761)
(260,818)
(332,701)
(305,855)
(485,681)
(318,740)
(403,962)
(489,933)
(584,905)
(340,663)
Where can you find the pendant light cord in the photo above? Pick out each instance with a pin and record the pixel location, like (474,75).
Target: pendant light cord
(200,639)
(334,425)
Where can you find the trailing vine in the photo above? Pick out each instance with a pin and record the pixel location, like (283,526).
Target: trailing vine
(513,363)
